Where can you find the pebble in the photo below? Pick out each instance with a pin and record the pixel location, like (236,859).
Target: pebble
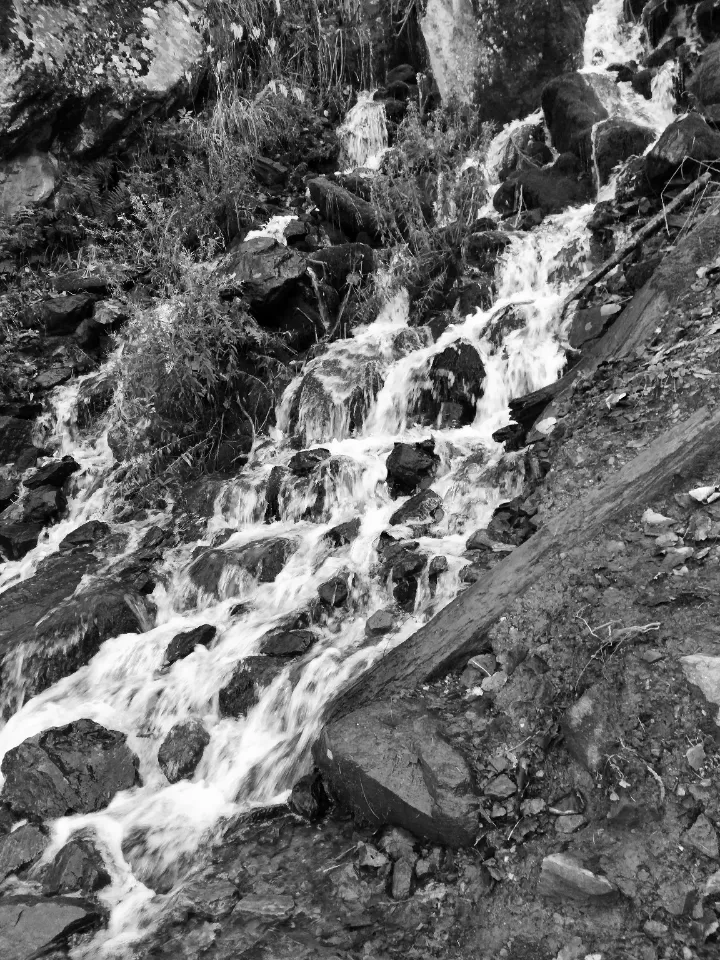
(501,787)
(655,929)
(570,824)
(401,880)
(695,756)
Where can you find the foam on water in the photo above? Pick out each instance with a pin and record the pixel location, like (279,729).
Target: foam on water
(355,400)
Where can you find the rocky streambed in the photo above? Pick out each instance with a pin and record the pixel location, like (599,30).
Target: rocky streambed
(403,678)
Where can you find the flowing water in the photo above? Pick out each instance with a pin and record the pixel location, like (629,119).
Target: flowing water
(253,761)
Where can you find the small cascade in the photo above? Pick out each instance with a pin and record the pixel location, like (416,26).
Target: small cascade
(363,134)
(351,405)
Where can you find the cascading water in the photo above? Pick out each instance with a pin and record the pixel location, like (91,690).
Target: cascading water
(253,761)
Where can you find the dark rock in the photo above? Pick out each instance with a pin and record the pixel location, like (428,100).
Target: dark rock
(411,467)
(49,379)
(68,635)
(43,504)
(264,271)
(457,376)
(61,315)
(390,764)
(262,559)
(615,140)
(17,537)
(77,281)
(21,848)
(350,212)
(31,926)
(562,877)
(380,623)
(510,524)
(77,768)
(705,81)
(303,463)
(95,394)
(272,493)
(78,866)
(287,643)
(183,644)
(208,899)
(571,108)
(424,508)
(270,172)
(86,535)
(638,274)
(8,492)
(682,149)
(15,437)
(308,797)
(334,592)
(343,533)
(53,474)
(591,323)
(343,259)
(250,677)
(182,749)
(106,319)
(547,190)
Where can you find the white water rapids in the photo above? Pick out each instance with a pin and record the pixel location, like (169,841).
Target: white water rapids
(253,761)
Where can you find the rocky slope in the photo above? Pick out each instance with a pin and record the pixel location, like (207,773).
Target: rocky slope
(401,677)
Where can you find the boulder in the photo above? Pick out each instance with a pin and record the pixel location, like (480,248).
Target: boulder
(86,535)
(390,764)
(77,768)
(183,644)
(17,537)
(287,643)
(270,172)
(32,926)
(411,467)
(53,474)
(457,376)
(66,637)
(425,508)
(563,877)
(380,623)
(614,141)
(21,848)
(106,318)
(59,316)
(343,533)
(571,109)
(71,93)
(182,749)
(334,592)
(43,504)
(302,464)
(77,867)
(683,147)
(547,191)
(308,797)
(251,676)
(8,492)
(26,181)
(214,570)
(350,212)
(264,271)
(15,437)
(705,81)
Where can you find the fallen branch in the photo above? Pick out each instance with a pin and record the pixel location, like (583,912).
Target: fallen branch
(460,630)
(651,227)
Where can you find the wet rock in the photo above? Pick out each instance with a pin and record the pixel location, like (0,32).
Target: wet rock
(60,316)
(572,107)
(547,191)
(287,643)
(705,81)
(343,259)
(683,147)
(302,464)
(77,768)
(564,877)
(411,466)
(21,848)
(390,764)
(182,749)
(214,570)
(343,533)
(424,508)
(379,624)
(68,636)
(8,492)
(615,140)
(30,926)
(18,538)
(510,524)
(15,437)
(251,676)
(308,797)
(183,644)
(106,318)
(350,212)
(78,866)
(457,376)
(265,271)
(334,592)
(702,837)
(402,880)
(43,504)
(26,181)
(53,474)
